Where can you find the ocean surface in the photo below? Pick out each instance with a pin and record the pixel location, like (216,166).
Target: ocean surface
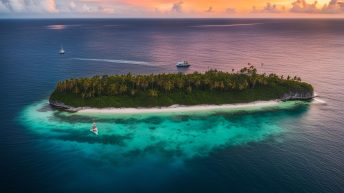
(291,147)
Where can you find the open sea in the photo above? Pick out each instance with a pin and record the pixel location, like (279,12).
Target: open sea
(291,147)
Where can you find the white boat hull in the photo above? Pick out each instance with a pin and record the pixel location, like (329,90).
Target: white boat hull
(94,132)
(183,64)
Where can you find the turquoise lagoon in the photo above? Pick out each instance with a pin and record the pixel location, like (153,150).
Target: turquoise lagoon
(168,136)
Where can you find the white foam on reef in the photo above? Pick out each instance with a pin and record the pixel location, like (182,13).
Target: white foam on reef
(179,108)
(113,61)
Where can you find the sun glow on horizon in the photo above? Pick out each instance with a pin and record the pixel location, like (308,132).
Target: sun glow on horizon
(173,8)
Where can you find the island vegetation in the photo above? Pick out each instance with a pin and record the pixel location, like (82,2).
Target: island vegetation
(211,87)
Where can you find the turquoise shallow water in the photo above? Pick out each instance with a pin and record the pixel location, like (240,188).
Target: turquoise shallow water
(181,136)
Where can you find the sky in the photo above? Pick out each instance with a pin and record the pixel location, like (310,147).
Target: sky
(171,8)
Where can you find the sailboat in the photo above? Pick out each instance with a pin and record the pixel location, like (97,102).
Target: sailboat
(62,50)
(94,129)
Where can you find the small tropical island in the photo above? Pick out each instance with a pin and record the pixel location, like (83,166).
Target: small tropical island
(212,87)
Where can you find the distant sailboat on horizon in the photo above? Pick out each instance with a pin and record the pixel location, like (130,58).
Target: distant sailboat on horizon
(62,51)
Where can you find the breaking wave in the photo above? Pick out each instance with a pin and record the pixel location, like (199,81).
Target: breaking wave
(113,61)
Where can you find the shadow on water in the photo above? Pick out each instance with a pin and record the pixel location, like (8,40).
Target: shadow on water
(184,70)
(88,137)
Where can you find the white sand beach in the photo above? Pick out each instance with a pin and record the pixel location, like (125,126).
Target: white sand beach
(179,108)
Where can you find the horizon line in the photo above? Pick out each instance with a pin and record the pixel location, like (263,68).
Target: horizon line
(168,18)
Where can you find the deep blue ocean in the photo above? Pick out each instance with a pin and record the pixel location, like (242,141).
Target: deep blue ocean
(292,147)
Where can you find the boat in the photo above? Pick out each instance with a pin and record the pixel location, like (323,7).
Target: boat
(94,129)
(183,64)
(62,50)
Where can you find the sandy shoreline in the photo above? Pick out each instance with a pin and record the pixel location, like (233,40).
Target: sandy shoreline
(179,108)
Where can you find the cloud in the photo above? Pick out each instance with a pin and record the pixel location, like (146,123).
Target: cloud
(54,6)
(4,8)
(50,6)
(269,8)
(334,6)
(72,5)
(301,6)
(28,6)
(169,8)
(16,5)
(177,7)
(81,7)
(273,8)
(108,10)
(231,11)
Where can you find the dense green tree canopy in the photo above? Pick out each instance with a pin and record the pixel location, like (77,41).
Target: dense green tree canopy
(164,85)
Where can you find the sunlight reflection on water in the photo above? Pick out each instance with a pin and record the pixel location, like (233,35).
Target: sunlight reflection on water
(56,27)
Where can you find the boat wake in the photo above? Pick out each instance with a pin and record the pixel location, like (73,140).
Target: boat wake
(318,101)
(230,25)
(114,61)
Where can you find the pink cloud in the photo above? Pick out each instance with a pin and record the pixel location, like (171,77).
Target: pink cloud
(301,6)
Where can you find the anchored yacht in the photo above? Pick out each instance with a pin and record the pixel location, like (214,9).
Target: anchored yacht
(183,64)
(62,50)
